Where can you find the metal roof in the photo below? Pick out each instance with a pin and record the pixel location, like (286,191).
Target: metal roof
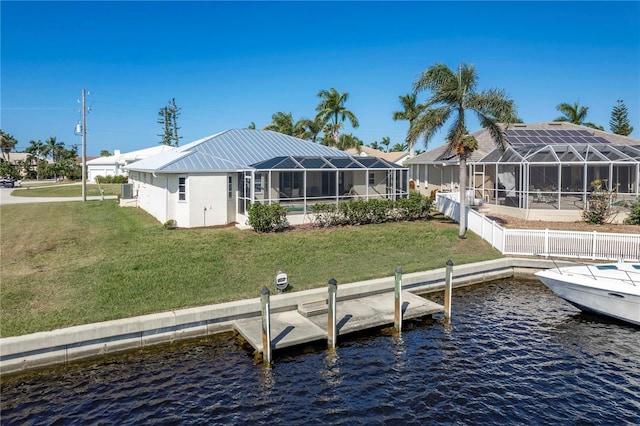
(231,150)
(324,163)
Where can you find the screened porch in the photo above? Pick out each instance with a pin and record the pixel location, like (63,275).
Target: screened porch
(557,177)
(298,183)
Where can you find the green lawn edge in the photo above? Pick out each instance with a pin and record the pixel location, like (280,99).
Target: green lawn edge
(66,190)
(73,263)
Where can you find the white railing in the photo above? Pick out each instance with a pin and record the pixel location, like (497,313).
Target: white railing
(533,242)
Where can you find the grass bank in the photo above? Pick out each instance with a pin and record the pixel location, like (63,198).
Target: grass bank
(66,190)
(74,263)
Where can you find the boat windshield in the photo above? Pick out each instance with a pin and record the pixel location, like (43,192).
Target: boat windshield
(603,267)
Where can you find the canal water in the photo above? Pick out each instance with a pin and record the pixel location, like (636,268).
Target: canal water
(513,353)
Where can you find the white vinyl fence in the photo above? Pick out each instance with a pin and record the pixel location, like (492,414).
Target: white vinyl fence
(535,242)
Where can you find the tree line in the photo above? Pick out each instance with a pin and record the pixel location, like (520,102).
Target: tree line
(331,114)
(36,164)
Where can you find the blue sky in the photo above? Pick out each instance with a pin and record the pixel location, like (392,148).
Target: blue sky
(228,64)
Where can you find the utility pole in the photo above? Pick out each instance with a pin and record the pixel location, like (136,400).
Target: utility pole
(84,148)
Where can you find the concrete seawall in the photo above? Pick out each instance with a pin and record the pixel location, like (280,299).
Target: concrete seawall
(66,345)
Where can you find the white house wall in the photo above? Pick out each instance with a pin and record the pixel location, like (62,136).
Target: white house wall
(151,194)
(207,201)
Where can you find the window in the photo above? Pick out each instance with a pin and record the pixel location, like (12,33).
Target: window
(182,188)
(372,178)
(230,187)
(258,183)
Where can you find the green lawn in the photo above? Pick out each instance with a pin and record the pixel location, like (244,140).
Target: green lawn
(73,263)
(65,190)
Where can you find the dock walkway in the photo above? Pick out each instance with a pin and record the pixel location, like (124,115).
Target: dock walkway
(297,327)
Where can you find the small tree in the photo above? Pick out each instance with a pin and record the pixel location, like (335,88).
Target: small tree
(168,118)
(634,216)
(619,122)
(600,204)
(105,153)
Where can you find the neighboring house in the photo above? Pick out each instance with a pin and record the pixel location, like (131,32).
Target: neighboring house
(113,165)
(397,157)
(545,166)
(213,180)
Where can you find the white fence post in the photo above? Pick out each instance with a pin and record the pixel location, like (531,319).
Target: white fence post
(546,242)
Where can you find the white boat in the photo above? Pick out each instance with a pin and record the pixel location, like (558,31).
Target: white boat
(611,289)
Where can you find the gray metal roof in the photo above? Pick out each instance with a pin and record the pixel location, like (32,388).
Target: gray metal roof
(325,163)
(232,150)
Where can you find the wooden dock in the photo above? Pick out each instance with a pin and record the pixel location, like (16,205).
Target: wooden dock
(309,323)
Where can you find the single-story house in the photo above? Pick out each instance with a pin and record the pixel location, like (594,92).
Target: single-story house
(544,167)
(114,165)
(397,157)
(213,180)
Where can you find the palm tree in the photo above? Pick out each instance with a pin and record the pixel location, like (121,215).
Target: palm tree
(327,138)
(312,129)
(575,114)
(347,140)
(283,123)
(36,150)
(386,141)
(398,147)
(7,142)
(412,110)
(53,148)
(452,96)
(331,110)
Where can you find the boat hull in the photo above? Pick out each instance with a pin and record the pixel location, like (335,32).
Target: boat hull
(609,297)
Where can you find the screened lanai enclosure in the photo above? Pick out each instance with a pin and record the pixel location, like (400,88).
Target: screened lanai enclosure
(558,176)
(297,183)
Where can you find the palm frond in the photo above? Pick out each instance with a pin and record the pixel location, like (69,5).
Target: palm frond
(432,78)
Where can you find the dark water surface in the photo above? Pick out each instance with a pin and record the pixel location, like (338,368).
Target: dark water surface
(513,353)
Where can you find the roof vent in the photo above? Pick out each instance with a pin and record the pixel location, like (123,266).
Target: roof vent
(519,125)
(555,123)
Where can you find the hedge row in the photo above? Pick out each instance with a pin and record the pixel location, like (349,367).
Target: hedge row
(361,212)
(112,179)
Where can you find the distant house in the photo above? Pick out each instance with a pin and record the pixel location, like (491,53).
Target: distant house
(213,180)
(546,171)
(113,165)
(397,157)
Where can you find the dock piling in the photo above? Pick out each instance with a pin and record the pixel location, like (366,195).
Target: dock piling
(397,318)
(266,324)
(332,330)
(448,286)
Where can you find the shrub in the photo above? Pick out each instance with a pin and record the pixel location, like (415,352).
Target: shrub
(324,214)
(267,217)
(634,216)
(415,207)
(372,211)
(112,179)
(600,204)
(170,224)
